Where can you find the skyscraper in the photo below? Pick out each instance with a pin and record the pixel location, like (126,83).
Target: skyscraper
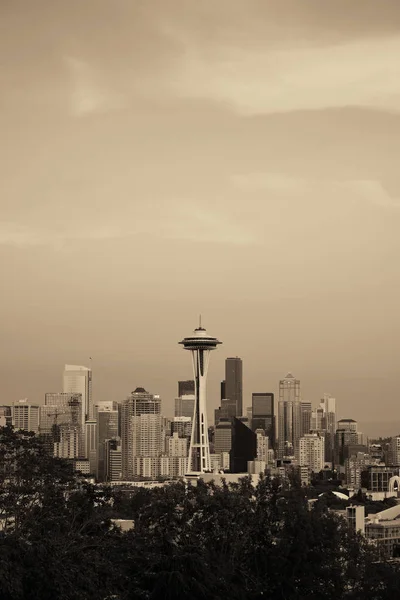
(306,413)
(262,414)
(289,416)
(184,406)
(312,452)
(185,388)
(78,380)
(200,345)
(234,384)
(107,429)
(25,415)
(61,418)
(328,405)
(244,446)
(139,402)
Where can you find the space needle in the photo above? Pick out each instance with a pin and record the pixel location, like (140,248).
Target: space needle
(200,345)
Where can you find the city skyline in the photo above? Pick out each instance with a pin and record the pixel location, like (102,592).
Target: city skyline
(254,140)
(371,429)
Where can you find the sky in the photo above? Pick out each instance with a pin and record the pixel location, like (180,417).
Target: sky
(234,158)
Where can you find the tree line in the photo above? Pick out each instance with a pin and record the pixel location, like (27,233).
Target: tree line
(238,541)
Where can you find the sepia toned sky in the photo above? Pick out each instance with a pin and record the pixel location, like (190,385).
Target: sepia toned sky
(238,158)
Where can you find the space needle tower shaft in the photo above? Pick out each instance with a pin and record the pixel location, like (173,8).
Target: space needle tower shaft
(200,345)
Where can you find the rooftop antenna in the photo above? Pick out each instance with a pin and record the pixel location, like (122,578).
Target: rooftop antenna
(199,321)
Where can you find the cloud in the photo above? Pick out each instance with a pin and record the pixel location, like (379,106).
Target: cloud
(86,94)
(257,79)
(189,223)
(366,191)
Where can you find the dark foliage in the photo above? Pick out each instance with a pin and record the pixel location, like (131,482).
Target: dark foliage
(199,542)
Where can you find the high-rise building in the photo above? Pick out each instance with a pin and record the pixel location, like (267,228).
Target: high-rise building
(177,446)
(182,426)
(328,404)
(25,415)
(113,460)
(306,412)
(394,451)
(147,443)
(61,419)
(234,384)
(263,414)
(244,446)
(185,388)
(223,390)
(184,406)
(78,380)
(138,403)
(347,440)
(200,345)
(289,417)
(223,436)
(6,415)
(91,444)
(312,452)
(262,445)
(68,443)
(107,429)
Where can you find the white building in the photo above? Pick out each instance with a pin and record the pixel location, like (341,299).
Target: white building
(78,380)
(312,452)
(255,467)
(177,446)
(70,441)
(25,416)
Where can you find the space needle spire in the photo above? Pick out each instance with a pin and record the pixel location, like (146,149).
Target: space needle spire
(200,345)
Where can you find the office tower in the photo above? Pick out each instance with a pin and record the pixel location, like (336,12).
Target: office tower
(305,416)
(147,444)
(68,443)
(347,440)
(262,445)
(184,406)
(312,452)
(223,390)
(78,380)
(185,388)
(91,444)
(223,436)
(244,446)
(25,415)
(177,446)
(61,424)
(113,460)
(200,345)
(328,405)
(182,426)
(249,413)
(104,405)
(317,422)
(138,403)
(107,429)
(263,414)
(234,384)
(354,466)
(289,417)
(394,451)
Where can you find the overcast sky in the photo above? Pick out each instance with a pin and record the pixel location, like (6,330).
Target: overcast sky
(238,158)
